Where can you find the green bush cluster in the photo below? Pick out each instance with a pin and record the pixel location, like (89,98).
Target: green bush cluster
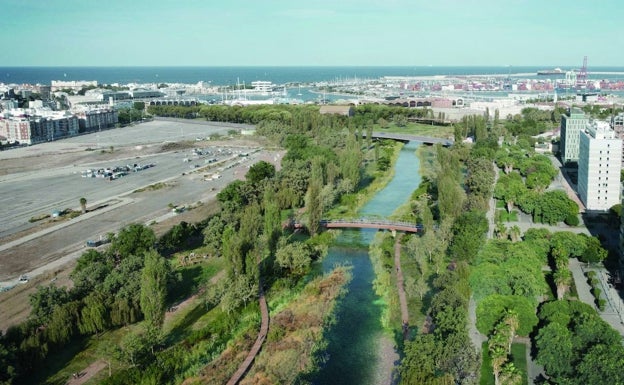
(594,282)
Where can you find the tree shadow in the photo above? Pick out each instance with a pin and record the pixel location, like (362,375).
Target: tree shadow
(56,362)
(188,283)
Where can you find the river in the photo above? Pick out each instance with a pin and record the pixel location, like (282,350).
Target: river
(359,351)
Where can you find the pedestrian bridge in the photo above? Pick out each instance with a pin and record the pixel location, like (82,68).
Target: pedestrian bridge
(364,223)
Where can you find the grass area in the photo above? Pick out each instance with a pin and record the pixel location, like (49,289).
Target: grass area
(500,204)
(504,216)
(418,129)
(518,357)
(78,355)
(296,332)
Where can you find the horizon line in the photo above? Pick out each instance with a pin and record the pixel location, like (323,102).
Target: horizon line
(302,65)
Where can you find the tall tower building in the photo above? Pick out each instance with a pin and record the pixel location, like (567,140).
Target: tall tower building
(600,154)
(572,124)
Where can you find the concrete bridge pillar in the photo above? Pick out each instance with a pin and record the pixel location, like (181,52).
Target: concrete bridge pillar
(393,233)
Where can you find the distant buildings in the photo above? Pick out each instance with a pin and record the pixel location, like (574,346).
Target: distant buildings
(75,85)
(572,124)
(599,165)
(36,125)
(29,126)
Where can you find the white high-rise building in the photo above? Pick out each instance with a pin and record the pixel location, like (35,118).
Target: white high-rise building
(600,154)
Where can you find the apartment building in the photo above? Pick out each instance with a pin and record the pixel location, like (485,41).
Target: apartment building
(599,165)
(36,126)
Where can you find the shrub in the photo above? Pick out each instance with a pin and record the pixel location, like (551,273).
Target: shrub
(591,274)
(602,303)
(571,220)
(596,292)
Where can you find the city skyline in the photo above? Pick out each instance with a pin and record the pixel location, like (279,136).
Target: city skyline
(319,33)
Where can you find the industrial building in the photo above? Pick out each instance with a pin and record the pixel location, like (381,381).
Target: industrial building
(572,123)
(599,165)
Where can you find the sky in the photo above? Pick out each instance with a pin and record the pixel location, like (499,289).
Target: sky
(311,32)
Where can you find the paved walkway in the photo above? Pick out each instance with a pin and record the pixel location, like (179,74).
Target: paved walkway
(613,313)
(475,336)
(401,287)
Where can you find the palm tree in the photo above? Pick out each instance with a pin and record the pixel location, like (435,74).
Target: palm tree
(511,320)
(510,375)
(563,280)
(515,233)
(83,204)
(499,357)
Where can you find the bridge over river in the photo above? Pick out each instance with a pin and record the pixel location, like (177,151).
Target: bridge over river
(409,137)
(365,223)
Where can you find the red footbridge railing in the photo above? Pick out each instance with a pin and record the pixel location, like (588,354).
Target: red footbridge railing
(365,223)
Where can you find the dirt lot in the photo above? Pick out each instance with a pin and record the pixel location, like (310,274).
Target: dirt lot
(14,304)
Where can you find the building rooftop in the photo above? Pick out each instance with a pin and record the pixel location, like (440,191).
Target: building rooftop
(599,129)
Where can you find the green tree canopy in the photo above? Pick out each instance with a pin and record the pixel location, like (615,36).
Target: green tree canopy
(154,278)
(491,309)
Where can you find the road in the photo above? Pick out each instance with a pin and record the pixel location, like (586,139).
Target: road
(39,191)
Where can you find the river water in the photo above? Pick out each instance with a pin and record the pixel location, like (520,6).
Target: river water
(358,352)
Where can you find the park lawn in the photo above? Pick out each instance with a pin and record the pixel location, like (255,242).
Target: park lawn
(417,129)
(518,357)
(500,204)
(79,354)
(504,216)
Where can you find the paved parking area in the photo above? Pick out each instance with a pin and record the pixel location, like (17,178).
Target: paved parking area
(59,186)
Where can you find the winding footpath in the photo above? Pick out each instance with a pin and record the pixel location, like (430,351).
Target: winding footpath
(255,349)
(401,287)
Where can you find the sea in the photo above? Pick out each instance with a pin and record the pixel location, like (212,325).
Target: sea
(276,74)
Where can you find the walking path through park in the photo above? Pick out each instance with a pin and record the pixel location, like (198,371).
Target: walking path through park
(401,287)
(84,376)
(255,349)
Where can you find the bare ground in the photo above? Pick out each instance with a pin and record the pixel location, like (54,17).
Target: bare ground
(15,302)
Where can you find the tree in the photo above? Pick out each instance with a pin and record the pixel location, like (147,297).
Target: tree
(594,252)
(294,257)
(133,239)
(510,375)
(509,188)
(563,280)
(83,205)
(493,308)
(45,300)
(554,350)
(314,204)
(450,196)
(94,315)
(260,171)
(154,288)
(480,178)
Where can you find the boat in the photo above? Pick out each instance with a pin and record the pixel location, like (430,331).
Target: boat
(556,71)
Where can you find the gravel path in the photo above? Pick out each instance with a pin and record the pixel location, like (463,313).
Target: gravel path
(401,287)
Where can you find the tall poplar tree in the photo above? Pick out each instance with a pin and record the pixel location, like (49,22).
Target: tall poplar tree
(154,288)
